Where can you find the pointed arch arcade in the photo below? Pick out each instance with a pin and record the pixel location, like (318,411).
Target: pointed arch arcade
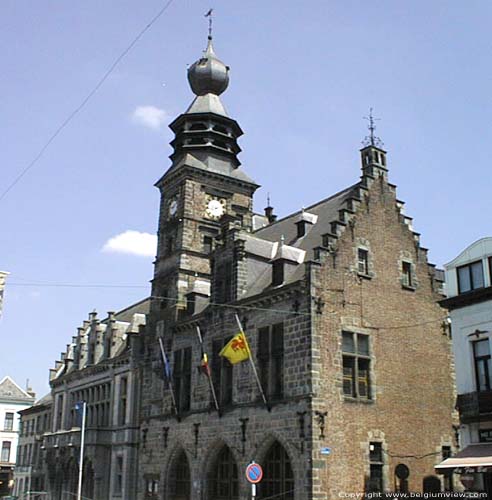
(278,476)
(180,477)
(223,483)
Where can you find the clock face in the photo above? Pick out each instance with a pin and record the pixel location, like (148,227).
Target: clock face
(215,208)
(173,207)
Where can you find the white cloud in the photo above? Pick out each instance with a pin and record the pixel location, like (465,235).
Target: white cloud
(133,243)
(149,116)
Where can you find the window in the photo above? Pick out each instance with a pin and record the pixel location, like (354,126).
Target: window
(169,245)
(207,244)
(356,365)
(278,478)
(481,356)
(406,274)
(376,463)
(271,359)
(277,272)
(59,413)
(122,410)
(221,373)
(301,228)
(362,261)
(180,478)
(223,480)
(470,277)
(5,457)
(9,422)
(118,487)
(182,378)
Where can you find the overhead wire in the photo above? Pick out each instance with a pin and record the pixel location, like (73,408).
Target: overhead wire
(219,304)
(84,101)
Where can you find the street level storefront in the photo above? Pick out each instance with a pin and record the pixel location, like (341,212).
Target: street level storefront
(474,465)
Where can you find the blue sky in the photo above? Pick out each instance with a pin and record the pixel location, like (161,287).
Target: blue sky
(303,74)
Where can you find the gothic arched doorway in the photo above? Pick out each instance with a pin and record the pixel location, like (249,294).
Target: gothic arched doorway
(70,479)
(179,478)
(278,477)
(88,480)
(223,481)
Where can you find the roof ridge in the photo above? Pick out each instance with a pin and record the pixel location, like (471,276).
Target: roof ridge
(353,186)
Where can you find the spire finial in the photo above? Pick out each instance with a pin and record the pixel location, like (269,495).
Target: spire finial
(371,139)
(210,19)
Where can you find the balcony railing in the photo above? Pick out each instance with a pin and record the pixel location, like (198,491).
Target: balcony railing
(474,406)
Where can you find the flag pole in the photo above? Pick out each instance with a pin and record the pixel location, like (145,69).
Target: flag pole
(253,365)
(169,381)
(82,443)
(212,388)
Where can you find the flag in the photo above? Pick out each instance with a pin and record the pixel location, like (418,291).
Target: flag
(237,349)
(167,366)
(79,412)
(204,366)
(209,13)
(168,373)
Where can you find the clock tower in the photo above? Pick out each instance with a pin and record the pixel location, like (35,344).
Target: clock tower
(204,183)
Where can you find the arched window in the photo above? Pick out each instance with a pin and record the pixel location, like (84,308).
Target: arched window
(278,478)
(180,478)
(223,479)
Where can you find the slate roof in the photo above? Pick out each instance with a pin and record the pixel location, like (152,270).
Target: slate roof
(322,213)
(210,163)
(9,390)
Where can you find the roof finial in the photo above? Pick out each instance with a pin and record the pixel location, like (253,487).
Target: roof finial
(268,199)
(210,19)
(371,139)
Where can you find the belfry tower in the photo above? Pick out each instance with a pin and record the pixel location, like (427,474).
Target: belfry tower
(203,184)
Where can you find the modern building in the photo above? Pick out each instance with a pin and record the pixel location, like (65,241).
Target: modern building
(469,300)
(12,399)
(29,476)
(96,368)
(339,306)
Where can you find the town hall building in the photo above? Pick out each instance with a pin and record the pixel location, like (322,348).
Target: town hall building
(338,303)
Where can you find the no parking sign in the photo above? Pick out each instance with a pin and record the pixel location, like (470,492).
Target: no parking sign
(254,474)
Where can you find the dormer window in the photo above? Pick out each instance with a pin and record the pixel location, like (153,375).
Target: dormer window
(470,277)
(277,272)
(301,228)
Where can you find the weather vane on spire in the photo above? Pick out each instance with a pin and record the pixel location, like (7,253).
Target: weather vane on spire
(371,139)
(210,19)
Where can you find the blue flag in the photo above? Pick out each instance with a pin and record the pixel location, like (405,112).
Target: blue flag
(79,411)
(167,365)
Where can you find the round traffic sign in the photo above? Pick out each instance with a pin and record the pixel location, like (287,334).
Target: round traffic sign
(254,473)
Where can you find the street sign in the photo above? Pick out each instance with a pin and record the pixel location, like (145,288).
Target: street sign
(254,473)
(325,451)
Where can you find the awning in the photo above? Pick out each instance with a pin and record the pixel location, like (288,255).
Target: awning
(474,455)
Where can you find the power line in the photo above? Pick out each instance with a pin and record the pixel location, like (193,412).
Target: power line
(221,304)
(85,100)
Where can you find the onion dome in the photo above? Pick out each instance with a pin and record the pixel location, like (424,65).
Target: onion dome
(208,75)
